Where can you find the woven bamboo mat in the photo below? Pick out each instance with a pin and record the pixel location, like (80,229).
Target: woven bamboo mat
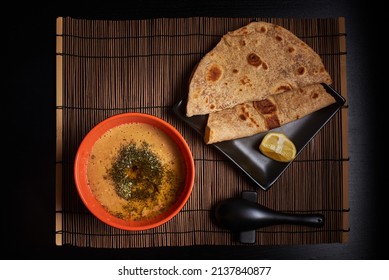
(107,67)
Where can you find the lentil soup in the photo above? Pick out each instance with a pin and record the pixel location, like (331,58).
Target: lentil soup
(136,171)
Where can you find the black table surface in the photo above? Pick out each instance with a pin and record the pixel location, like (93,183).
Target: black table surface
(28,110)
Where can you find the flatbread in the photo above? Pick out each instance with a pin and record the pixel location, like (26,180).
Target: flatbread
(250,64)
(259,116)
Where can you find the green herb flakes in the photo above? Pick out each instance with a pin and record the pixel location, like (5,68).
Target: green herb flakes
(136,172)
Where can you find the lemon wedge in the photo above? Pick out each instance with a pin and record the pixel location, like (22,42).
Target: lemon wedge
(277,146)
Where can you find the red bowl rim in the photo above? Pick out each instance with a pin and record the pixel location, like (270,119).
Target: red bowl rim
(80,170)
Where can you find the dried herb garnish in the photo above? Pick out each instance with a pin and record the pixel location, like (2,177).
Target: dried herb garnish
(136,172)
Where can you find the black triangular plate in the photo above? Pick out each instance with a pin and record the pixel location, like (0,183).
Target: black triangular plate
(244,152)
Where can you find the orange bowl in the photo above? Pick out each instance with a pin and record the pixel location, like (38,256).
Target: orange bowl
(84,188)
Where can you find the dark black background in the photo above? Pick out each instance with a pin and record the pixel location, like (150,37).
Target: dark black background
(28,112)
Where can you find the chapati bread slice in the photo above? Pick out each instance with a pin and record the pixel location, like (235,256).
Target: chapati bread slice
(251,63)
(259,116)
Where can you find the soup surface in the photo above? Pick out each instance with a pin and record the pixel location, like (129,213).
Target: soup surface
(136,171)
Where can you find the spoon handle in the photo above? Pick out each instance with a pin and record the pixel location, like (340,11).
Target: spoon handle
(312,220)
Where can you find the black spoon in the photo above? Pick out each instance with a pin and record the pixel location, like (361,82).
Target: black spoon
(239,214)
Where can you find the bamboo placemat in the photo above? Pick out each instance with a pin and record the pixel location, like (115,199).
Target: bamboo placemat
(106,67)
